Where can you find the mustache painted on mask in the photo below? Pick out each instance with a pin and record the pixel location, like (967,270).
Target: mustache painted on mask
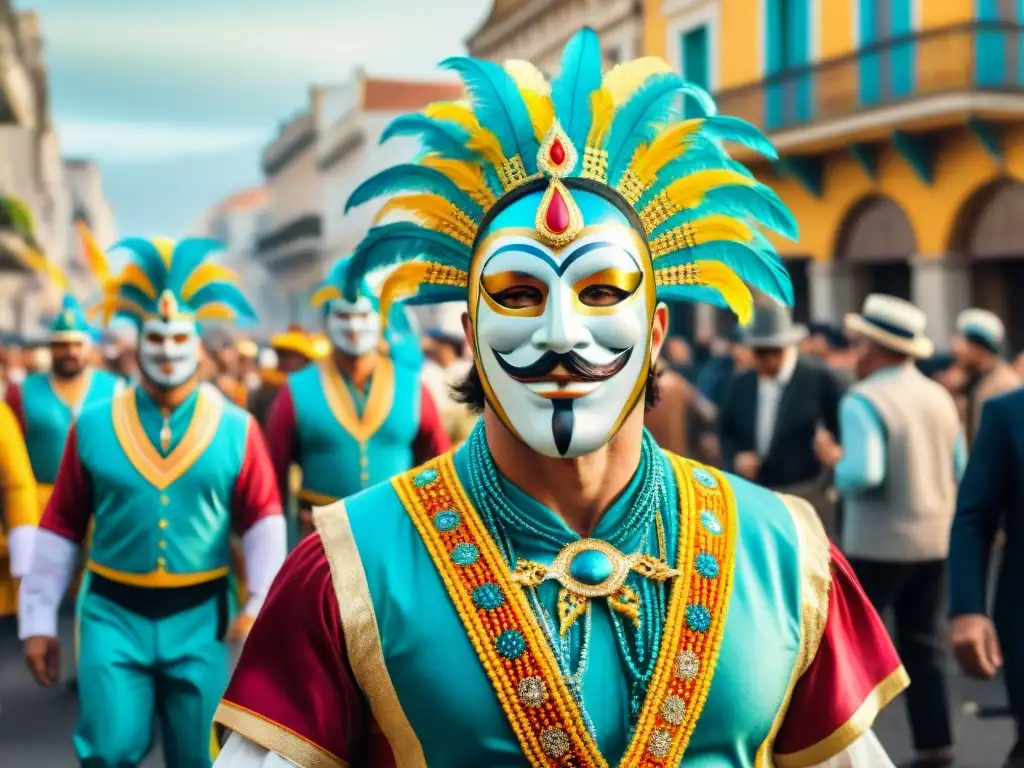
(575,367)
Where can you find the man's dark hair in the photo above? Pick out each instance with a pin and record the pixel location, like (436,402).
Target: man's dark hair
(470,391)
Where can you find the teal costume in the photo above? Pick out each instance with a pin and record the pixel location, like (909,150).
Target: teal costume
(347,439)
(165,491)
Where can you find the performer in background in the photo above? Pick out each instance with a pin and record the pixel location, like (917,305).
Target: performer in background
(162,473)
(361,415)
(979,349)
(559,591)
(293,350)
(19,510)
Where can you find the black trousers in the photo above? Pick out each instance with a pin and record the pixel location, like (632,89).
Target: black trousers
(916,593)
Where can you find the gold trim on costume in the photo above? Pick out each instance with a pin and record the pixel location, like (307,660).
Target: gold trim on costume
(161,471)
(362,635)
(815,581)
(515,653)
(72,392)
(160,578)
(378,402)
(859,724)
(275,737)
(315,498)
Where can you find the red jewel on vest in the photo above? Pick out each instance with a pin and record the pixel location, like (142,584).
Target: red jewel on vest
(557,152)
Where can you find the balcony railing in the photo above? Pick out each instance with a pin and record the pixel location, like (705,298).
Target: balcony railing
(975,57)
(304,226)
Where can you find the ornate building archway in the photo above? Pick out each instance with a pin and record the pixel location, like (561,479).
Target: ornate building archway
(874,247)
(989,236)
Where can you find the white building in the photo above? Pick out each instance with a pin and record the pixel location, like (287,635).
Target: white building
(537,30)
(30,171)
(86,201)
(236,222)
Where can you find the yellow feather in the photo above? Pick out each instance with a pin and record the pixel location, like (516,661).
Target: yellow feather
(481,140)
(528,77)
(714,274)
(712,228)
(35,260)
(94,256)
(542,112)
(689,191)
(127,306)
(433,211)
(134,275)
(323,295)
(626,78)
(205,274)
(402,283)
(166,248)
(465,175)
(666,147)
(216,311)
(603,108)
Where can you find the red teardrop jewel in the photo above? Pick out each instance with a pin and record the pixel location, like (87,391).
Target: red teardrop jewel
(557,215)
(557,152)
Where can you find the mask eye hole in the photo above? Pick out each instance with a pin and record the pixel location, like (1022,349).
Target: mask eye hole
(602,295)
(520,297)
(154,338)
(180,338)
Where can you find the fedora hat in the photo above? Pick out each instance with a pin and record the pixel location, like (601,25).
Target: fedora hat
(893,323)
(773,328)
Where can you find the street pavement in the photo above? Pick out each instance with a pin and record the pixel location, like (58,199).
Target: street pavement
(36,723)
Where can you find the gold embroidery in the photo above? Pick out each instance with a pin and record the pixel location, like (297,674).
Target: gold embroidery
(275,737)
(378,402)
(815,580)
(161,471)
(362,635)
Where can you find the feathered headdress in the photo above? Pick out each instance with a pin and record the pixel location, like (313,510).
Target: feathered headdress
(396,327)
(171,282)
(616,134)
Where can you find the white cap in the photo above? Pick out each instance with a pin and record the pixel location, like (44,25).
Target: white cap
(981,326)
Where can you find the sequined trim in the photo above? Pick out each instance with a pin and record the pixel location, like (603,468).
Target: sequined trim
(506,638)
(275,737)
(515,654)
(362,635)
(695,624)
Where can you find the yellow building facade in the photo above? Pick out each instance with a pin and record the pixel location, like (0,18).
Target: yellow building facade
(900,131)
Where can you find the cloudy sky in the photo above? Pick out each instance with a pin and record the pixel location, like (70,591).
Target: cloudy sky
(176,99)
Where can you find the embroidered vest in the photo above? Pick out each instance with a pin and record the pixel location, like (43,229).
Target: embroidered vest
(458,672)
(343,450)
(48,418)
(162,522)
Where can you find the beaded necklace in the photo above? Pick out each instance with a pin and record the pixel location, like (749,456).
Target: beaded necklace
(638,646)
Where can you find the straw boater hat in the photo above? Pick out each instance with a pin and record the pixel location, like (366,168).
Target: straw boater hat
(773,328)
(893,323)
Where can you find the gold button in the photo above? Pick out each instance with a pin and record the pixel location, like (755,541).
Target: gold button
(164,524)
(161,562)
(364,478)
(364,461)
(163,545)
(164,499)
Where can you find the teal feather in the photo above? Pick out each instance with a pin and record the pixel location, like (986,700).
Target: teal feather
(441,136)
(436,294)
(398,242)
(148,258)
(757,268)
(498,105)
(639,120)
(579,77)
(692,293)
(412,178)
(225,293)
(188,254)
(739,131)
(131,293)
(702,97)
(759,204)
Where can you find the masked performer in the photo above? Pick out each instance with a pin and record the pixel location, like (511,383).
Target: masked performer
(361,415)
(559,591)
(162,473)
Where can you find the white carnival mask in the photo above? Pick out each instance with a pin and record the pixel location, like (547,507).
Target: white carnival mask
(169,351)
(563,338)
(353,327)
